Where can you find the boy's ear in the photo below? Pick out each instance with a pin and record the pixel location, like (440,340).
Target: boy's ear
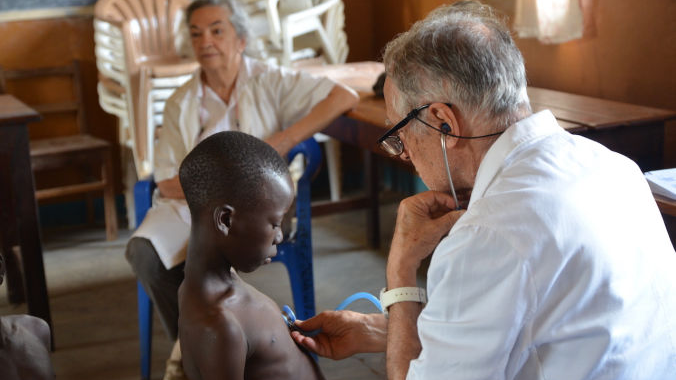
(223,218)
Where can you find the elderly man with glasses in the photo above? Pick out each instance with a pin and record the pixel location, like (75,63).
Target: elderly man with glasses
(560,266)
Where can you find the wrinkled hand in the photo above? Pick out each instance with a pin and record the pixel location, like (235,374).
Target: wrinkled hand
(422,220)
(343,333)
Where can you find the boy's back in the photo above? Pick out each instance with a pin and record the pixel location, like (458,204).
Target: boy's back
(243,330)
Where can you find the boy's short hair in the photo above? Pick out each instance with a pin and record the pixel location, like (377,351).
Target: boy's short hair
(228,167)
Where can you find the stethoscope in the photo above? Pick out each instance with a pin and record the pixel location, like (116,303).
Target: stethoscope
(289,317)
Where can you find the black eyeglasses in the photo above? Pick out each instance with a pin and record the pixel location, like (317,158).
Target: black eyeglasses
(392,144)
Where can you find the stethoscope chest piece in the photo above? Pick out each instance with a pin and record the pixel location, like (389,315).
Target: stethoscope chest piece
(289,318)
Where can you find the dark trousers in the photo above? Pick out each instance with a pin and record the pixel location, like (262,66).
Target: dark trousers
(160,284)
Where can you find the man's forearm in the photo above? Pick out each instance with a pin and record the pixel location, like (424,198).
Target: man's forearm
(403,344)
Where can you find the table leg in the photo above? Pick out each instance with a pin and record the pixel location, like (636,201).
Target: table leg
(15,137)
(372,182)
(8,236)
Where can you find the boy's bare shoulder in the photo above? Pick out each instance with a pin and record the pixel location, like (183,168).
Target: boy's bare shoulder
(215,321)
(216,343)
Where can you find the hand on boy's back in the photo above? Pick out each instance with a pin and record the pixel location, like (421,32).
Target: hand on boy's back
(24,349)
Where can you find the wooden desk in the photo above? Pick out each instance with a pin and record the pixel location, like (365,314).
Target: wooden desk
(19,224)
(635,131)
(668,209)
(667,206)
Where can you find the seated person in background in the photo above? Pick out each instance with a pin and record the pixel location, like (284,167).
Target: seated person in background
(24,345)
(238,189)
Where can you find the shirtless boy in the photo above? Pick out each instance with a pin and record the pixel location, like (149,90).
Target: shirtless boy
(24,345)
(238,189)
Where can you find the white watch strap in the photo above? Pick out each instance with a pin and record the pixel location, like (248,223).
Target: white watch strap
(413,294)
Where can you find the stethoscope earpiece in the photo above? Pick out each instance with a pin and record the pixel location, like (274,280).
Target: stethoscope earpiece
(445,128)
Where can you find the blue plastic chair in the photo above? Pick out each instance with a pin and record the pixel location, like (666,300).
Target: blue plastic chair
(296,253)
(143,193)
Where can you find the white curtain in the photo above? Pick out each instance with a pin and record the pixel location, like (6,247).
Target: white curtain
(550,21)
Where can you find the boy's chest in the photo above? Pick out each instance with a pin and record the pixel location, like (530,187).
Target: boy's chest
(271,352)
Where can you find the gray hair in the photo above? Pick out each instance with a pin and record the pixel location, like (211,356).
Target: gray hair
(464,55)
(238,18)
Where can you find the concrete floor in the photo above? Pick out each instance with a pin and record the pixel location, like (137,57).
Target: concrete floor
(92,294)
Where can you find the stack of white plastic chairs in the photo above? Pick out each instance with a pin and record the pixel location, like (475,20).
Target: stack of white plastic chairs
(139,64)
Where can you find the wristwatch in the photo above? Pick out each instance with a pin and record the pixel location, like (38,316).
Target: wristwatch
(389,297)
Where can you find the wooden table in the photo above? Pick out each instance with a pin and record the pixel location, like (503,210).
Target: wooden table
(635,131)
(19,225)
(667,206)
(668,209)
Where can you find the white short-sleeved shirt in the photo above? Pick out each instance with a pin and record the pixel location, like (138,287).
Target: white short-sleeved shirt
(561,268)
(266,99)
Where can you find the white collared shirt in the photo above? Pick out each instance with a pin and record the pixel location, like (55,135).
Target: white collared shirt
(561,268)
(214,114)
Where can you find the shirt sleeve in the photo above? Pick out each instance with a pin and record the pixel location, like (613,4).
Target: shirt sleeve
(169,148)
(480,293)
(297,93)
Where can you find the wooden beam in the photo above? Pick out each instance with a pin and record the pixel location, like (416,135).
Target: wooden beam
(44,13)
(68,190)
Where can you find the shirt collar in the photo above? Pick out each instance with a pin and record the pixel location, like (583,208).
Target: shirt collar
(515,137)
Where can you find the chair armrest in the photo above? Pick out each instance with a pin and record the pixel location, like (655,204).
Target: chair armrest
(143,198)
(168,70)
(313,157)
(310,12)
